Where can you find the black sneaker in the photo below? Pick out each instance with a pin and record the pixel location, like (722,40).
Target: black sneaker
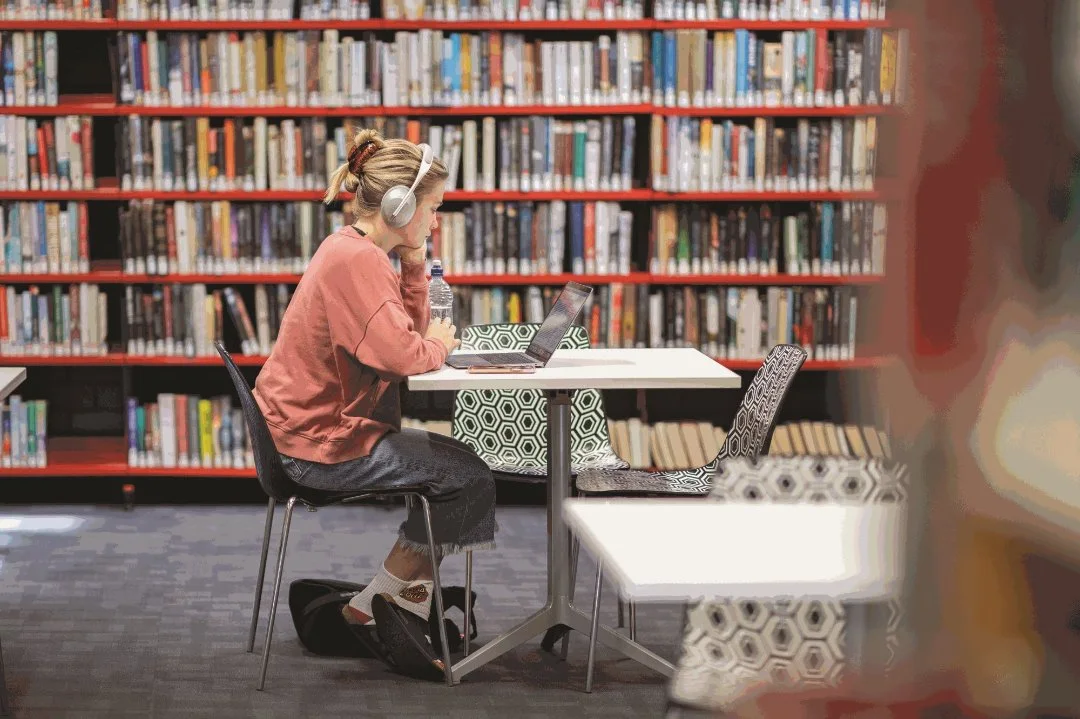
(404,635)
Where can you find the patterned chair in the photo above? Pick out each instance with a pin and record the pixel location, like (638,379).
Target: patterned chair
(749,436)
(508,428)
(727,645)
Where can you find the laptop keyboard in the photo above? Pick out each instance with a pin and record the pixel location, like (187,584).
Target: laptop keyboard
(506,358)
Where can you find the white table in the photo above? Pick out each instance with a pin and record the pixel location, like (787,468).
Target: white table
(570,370)
(762,551)
(10,378)
(813,551)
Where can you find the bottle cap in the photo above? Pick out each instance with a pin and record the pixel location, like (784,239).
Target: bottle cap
(436,268)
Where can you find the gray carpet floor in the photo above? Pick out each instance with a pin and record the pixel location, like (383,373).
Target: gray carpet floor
(107,613)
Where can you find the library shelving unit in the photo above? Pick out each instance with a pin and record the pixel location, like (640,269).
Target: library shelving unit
(107,456)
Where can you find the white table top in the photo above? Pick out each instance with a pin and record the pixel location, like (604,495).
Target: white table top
(680,549)
(667,368)
(10,378)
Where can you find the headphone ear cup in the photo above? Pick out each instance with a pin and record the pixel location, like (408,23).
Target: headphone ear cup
(392,199)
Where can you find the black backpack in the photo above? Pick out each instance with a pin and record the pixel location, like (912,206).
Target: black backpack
(315,605)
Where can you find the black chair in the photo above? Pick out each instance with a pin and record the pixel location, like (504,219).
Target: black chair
(279,487)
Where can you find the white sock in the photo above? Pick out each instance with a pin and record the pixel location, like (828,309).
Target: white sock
(384,582)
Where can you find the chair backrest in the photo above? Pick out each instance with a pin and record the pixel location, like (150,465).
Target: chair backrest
(752,429)
(268,467)
(513,424)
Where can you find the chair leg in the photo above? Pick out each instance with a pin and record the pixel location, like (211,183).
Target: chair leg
(595,626)
(633,620)
(468,600)
(575,546)
(262,573)
(289,507)
(622,614)
(5,701)
(438,592)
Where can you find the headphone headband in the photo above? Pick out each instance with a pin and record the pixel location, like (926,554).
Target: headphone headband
(427,158)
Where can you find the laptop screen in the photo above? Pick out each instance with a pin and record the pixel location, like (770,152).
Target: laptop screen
(563,313)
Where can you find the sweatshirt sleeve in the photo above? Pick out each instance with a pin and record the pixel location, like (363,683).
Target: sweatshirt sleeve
(414,294)
(368,319)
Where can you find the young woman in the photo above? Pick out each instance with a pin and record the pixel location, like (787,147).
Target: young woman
(330,389)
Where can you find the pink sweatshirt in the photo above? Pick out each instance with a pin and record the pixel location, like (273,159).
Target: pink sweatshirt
(352,331)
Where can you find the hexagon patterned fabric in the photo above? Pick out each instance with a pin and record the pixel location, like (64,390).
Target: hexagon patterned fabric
(729,645)
(749,432)
(508,428)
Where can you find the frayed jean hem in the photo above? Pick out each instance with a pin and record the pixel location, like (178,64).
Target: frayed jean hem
(444,549)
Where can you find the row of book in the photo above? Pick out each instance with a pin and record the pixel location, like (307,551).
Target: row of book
(773,10)
(685,444)
(738,323)
(689,444)
(535,238)
(430,68)
(186,320)
(809,68)
(770,10)
(526,10)
(534,153)
(58,320)
(28,68)
(223,238)
(391,9)
(831,238)
(418,69)
(187,431)
(52,9)
(513,238)
(50,237)
(690,154)
(246,10)
(23,429)
(46,153)
(517,154)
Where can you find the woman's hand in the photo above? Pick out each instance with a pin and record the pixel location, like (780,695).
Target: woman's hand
(413,255)
(442,330)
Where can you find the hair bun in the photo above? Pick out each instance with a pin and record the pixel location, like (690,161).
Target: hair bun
(365,144)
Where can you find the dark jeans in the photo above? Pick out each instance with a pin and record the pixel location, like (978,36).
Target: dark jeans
(459,486)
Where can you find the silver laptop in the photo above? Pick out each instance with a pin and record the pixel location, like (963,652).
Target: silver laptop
(564,311)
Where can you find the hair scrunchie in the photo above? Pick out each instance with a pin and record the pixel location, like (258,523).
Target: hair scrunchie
(360,155)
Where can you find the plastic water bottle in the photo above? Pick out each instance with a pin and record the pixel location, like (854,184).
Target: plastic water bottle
(440,296)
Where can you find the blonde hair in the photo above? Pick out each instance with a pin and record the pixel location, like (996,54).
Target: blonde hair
(373,165)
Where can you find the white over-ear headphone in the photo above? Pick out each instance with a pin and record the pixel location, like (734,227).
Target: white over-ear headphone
(399,202)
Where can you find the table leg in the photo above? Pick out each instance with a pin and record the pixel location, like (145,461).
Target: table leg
(558,609)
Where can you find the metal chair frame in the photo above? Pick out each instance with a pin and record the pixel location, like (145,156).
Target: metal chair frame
(279,487)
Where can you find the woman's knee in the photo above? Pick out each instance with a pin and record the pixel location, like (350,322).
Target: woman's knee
(476,477)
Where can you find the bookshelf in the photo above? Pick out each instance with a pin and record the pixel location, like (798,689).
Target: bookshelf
(82,96)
